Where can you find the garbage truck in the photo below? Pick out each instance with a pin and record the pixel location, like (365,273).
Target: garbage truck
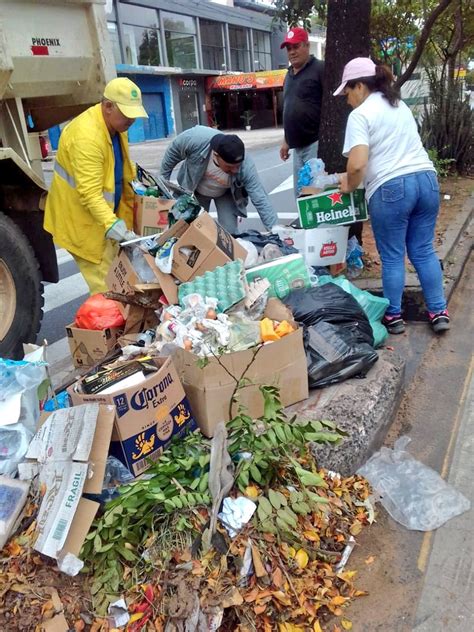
(55,58)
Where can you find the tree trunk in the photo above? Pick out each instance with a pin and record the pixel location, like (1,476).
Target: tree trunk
(347,36)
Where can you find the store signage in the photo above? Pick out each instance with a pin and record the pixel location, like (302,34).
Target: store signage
(248,81)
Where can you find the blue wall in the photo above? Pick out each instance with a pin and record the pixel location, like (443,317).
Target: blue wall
(156,92)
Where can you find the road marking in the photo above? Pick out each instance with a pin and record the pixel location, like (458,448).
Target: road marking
(63,256)
(425,548)
(282,164)
(69,288)
(284,186)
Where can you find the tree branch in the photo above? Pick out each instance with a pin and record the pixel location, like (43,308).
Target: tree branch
(425,33)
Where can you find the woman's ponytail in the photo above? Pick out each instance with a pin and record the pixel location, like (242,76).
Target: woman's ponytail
(384,84)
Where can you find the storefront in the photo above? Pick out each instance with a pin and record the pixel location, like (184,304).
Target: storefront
(252,99)
(188,101)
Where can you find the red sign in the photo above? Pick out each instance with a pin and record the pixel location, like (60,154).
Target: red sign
(247,81)
(329,249)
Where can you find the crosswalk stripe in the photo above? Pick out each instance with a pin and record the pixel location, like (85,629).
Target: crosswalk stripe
(284,186)
(63,256)
(66,290)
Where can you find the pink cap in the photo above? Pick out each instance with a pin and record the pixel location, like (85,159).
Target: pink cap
(295,36)
(355,69)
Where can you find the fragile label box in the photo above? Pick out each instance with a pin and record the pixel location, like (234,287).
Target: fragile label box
(203,247)
(331,207)
(319,246)
(209,389)
(89,346)
(147,415)
(69,455)
(150,214)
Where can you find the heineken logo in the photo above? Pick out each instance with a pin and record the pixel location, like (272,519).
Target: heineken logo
(333,216)
(336,198)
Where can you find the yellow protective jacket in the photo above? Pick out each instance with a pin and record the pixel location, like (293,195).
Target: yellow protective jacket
(80,203)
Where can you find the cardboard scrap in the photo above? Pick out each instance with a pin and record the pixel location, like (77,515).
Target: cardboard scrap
(69,452)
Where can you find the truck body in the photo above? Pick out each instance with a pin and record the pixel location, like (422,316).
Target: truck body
(55,58)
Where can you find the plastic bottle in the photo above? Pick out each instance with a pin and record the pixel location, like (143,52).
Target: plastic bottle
(324,181)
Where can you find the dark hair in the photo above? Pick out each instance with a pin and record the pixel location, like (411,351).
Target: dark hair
(382,82)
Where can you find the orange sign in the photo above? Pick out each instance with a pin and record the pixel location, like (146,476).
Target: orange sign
(247,81)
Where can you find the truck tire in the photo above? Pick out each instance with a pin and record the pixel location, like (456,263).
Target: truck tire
(21,290)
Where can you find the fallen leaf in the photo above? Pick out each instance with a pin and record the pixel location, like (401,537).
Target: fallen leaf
(277,577)
(302,558)
(317,627)
(346,624)
(312,536)
(13,548)
(339,600)
(356,528)
(282,597)
(370,560)
(260,609)
(251,491)
(257,562)
(79,625)
(48,605)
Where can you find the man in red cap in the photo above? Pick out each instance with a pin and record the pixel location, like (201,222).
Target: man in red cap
(302,96)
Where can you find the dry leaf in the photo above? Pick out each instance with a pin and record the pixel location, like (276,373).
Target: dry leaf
(277,577)
(346,624)
(257,562)
(260,609)
(282,597)
(339,600)
(370,560)
(356,528)
(13,548)
(317,627)
(302,558)
(312,536)
(79,625)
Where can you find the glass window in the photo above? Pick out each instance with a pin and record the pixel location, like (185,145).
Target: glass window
(140,16)
(212,43)
(180,34)
(142,46)
(239,51)
(262,57)
(114,38)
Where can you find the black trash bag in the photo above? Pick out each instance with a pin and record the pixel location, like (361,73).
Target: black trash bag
(331,304)
(260,241)
(333,355)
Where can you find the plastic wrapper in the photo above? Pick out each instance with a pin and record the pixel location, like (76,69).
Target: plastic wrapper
(412,493)
(244,332)
(99,313)
(187,207)
(330,303)
(333,354)
(354,262)
(260,240)
(19,409)
(309,171)
(164,255)
(136,255)
(269,252)
(252,252)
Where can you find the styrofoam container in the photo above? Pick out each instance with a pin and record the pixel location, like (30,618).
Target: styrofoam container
(319,246)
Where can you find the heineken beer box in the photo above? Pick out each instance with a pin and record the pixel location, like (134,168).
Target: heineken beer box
(332,208)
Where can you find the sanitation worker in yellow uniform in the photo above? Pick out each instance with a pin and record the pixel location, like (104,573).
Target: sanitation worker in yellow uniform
(89,208)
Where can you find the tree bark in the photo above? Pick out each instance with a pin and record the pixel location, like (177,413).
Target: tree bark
(347,36)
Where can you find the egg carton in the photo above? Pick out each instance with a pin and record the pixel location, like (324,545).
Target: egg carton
(227,283)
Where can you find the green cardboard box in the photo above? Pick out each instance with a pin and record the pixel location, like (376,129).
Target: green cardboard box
(331,207)
(285,274)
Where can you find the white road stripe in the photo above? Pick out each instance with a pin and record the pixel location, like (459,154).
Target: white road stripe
(284,186)
(56,294)
(63,256)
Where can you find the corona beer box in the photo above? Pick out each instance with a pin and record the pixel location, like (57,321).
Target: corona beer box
(147,415)
(332,208)
(319,246)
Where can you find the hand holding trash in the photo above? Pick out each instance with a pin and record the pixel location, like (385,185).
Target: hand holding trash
(119,232)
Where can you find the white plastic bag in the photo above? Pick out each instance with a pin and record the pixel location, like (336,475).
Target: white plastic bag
(252,253)
(412,493)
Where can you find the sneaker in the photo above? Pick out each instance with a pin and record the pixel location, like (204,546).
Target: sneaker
(440,321)
(394,324)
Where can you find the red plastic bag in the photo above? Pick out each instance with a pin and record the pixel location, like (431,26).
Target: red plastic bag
(99,313)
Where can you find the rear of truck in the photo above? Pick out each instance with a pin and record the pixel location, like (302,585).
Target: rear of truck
(55,58)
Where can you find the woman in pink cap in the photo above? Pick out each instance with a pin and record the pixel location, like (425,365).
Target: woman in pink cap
(385,152)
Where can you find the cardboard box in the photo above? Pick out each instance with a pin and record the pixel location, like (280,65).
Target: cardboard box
(150,214)
(138,318)
(331,207)
(281,363)
(285,274)
(204,246)
(147,416)
(123,278)
(88,346)
(69,454)
(319,246)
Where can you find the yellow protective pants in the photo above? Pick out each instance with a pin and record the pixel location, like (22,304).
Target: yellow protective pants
(95,273)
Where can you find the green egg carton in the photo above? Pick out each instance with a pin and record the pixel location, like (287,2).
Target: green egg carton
(226,283)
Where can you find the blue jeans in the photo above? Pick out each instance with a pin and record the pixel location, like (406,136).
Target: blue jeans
(300,156)
(403,214)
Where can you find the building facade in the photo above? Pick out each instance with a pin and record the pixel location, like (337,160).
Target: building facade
(172,49)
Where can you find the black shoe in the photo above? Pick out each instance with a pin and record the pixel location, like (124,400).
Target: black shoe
(394,324)
(440,321)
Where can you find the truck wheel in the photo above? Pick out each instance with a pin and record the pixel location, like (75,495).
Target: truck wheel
(21,290)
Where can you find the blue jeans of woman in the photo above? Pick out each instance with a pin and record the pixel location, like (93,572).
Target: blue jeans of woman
(403,214)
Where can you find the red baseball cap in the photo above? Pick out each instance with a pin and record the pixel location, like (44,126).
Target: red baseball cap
(295,36)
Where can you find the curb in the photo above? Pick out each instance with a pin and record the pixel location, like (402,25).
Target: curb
(453,255)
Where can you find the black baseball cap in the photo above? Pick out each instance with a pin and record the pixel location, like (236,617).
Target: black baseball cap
(229,147)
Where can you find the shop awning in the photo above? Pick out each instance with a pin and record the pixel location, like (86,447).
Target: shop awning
(247,81)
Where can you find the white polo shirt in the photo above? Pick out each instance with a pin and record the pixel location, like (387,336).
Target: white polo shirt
(395,147)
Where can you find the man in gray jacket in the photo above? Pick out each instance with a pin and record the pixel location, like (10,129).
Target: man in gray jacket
(215,167)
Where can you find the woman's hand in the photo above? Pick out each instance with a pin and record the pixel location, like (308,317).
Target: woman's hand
(343,184)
